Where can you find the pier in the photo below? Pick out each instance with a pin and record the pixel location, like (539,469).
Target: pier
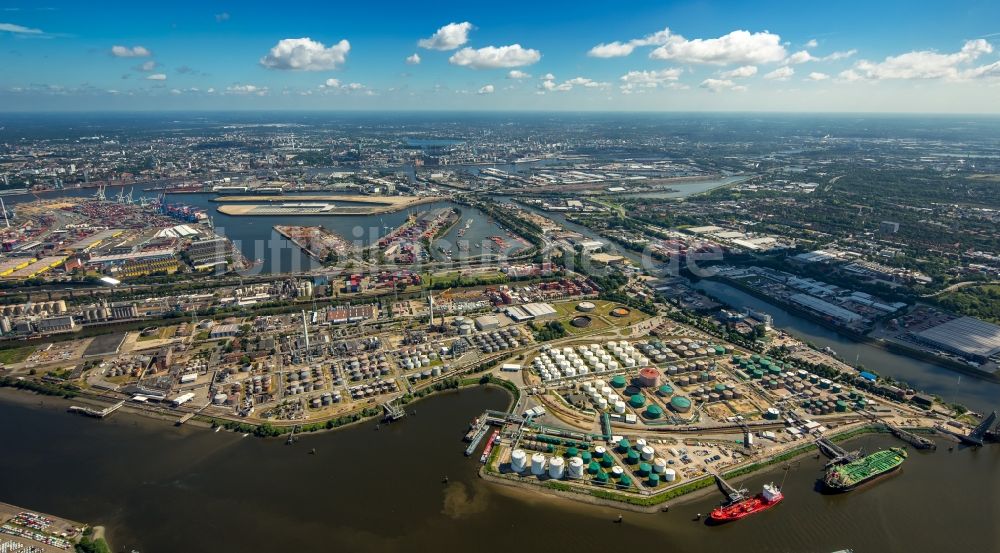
(734,494)
(392,412)
(916,441)
(837,454)
(96,413)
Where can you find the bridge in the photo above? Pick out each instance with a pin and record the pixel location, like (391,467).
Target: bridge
(978,434)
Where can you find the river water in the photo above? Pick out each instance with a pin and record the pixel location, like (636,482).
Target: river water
(159,488)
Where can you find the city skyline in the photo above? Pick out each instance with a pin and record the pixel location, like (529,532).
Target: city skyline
(677,56)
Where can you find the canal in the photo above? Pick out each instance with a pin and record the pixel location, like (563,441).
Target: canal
(978,394)
(162,489)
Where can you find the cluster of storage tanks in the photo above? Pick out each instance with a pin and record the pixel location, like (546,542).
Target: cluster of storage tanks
(586,359)
(373,389)
(425,374)
(773,375)
(415,358)
(305,380)
(499,340)
(57,307)
(664,351)
(361,367)
(575,466)
(259,384)
(325,400)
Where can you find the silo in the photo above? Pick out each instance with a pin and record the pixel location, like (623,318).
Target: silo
(537,464)
(556,467)
(518,459)
(576,466)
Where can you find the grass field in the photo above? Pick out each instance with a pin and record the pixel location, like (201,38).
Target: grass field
(16,355)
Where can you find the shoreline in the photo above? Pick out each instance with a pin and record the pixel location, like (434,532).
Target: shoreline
(886,345)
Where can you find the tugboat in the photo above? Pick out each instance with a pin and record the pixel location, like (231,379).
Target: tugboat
(769,497)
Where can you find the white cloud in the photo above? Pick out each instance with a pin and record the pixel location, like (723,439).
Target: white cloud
(927,64)
(780,74)
(243,89)
(740,72)
(817,76)
(414,59)
(800,57)
(19,29)
(719,85)
(331,83)
(492,57)
(175,91)
(449,37)
(517,74)
(812,43)
(849,75)
(549,84)
(133,52)
(619,49)
(146,66)
(488,89)
(156,77)
(648,79)
(306,54)
(740,47)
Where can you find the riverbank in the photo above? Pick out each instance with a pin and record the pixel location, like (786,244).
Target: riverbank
(685,492)
(856,336)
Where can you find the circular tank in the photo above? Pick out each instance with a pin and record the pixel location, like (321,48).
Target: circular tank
(556,467)
(680,404)
(576,466)
(637,401)
(620,407)
(653,412)
(669,475)
(518,460)
(585,306)
(659,465)
(647,453)
(649,377)
(665,391)
(537,464)
(617,471)
(618,381)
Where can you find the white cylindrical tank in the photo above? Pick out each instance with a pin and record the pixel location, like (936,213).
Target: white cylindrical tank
(669,475)
(576,467)
(647,453)
(659,465)
(617,471)
(620,407)
(640,443)
(602,403)
(537,464)
(556,467)
(600,450)
(518,460)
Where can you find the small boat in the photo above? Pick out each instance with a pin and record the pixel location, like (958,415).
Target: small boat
(769,497)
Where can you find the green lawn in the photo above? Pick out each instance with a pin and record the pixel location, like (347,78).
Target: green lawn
(16,355)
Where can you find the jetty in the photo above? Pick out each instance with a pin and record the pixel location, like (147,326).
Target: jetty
(94,412)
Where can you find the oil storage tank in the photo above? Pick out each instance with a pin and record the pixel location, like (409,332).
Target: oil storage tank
(518,460)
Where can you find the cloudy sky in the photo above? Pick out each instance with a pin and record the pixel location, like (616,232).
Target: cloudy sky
(845,56)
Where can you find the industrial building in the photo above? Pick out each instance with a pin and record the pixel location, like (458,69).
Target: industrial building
(487,322)
(531,311)
(966,336)
(826,308)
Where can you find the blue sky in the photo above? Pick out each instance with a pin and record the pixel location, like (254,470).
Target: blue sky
(883,56)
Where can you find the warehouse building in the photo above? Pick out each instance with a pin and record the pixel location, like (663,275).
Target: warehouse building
(968,337)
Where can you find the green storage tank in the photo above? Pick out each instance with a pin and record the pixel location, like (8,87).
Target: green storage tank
(636,401)
(680,404)
(841,406)
(625,481)
(737,359)
(720,388)
(632,457)
(586,456)
(765,363)
(593,467)
(653,412)
(608,461)
(618,381)
(624,445)
(757,374)
(665,391)
(572,452)
(601,477)
(645,468)
(654,480)
(719,350)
